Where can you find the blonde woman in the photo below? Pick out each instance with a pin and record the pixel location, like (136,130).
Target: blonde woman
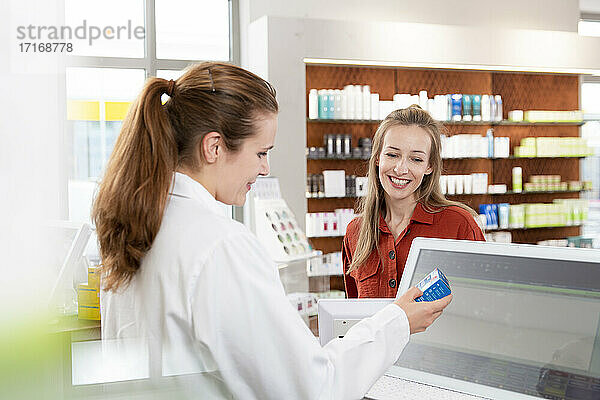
(404,201)
(199,288)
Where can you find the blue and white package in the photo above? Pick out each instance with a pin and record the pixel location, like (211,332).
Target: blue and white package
(434,286)
(456,107)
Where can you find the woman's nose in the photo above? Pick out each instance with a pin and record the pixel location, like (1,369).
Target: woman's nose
(264,168)
(401,166)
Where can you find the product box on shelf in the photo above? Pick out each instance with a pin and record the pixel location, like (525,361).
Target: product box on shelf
(325,265)
(88,296)
(335,183)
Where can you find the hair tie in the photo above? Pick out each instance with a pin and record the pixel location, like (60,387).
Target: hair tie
(212,83)
(170,88)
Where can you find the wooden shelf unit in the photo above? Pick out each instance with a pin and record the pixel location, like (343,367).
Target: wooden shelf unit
(525,91)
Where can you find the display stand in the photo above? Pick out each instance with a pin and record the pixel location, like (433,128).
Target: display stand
(270,218)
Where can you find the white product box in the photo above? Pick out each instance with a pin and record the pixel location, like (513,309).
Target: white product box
(361,186)
(335,183)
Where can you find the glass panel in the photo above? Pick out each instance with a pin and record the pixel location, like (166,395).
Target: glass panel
(192,29)
(98,99)
(169,73)
(528,325)
(97,30)
(590,166)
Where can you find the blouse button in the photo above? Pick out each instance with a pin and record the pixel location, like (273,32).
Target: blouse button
(392,254)
(392,283)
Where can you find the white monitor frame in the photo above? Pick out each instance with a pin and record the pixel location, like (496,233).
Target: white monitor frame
(467,246)
(337,316)
(492,248)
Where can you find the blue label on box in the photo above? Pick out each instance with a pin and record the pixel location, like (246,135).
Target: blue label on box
(434,286)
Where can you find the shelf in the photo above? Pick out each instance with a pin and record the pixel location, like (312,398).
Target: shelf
(484,123)
(71,323)
(532,228)
(509,158)
(518,90)
(325,237)
(453,158)
(336,197)
(337,159)
(526,123)
(311,275)
(486,230)
(511,193)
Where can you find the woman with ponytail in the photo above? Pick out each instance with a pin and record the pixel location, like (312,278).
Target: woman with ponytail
(404,201)
(196,287)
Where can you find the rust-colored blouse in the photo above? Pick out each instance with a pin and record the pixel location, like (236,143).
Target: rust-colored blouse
(380,275)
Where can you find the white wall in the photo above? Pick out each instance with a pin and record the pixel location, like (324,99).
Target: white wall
(589,6)
(557,15)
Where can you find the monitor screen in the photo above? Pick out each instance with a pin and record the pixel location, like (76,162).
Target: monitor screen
(525,324)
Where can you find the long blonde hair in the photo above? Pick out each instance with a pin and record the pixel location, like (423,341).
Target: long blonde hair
(155,140)
(429,193)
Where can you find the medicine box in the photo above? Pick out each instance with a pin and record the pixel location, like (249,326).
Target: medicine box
(434,286)
(88,312)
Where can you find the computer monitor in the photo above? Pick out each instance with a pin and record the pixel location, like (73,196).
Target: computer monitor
(77,236)
(524,322)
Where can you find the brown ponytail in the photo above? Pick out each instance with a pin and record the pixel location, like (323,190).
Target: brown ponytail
(156,139)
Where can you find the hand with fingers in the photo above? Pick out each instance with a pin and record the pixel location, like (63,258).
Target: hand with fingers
(421,314)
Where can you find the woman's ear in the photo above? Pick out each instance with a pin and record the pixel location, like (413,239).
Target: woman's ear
(429,170)
(210,147)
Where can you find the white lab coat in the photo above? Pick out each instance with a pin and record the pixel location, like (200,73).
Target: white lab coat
(208,298)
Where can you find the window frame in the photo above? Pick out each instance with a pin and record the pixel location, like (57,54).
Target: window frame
(149,63)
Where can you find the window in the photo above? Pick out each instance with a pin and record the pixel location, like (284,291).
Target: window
(201,32)
(107,33)
(109,66)
(97,101)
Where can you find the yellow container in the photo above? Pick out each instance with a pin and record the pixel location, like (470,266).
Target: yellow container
(94,277)
(87,295)
(89,312)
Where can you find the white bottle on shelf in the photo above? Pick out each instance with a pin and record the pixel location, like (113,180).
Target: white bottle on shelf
(498,100)
(349,89)
(313,104)
(334,224)
(331,103)
(374,105)
(344,105)
(358,102)
(397,99)
(366,102)
(423,100)
(485,108)
(431,106)
(337,112)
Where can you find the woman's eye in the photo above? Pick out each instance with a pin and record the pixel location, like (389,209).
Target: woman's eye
(392,155)
(418,160)
(262,154)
